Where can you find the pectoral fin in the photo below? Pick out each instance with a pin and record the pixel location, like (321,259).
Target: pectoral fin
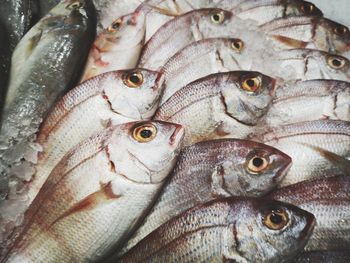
(294,43)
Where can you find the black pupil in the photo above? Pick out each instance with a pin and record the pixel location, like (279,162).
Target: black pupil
(115,25)
(250,82)
(336,62)
(341,30)
(134,79)
(146,134)
(307,9)
(216,17)
(258,162)
(276,218)
(237,45)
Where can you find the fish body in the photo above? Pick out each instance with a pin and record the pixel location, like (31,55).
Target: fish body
(45,64)
(219,105)
(329,200)
(44,6)
(317,148)
(226,230)
(211,170)
(321,256)
(111,177)
(309,32)
(310,100)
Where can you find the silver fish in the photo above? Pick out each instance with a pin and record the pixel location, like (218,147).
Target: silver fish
(45,64)
(317,147)
(219,105)
(310,100)
(213,169)
(111,177)
(321,256)
(329,201)
(309,32)
(228,230)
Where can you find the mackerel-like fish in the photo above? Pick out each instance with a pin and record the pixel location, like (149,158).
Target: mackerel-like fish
(306,64)
(310,100)
(228,230)
(213,169)
(46,63)
(322,256)
(317,148)
(329,201)
(209,56)
(219,105)
(95,195)
(309,32)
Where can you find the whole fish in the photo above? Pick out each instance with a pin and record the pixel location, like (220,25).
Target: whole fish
(310,100)
(209,56)
(268,10)
(228,230)
(193,26)
(329,201)
(45,64)
(321,256)
(309,32)
(219,105)
(306,64)
(213,169)
(95,195)
(317,148)
(108,99)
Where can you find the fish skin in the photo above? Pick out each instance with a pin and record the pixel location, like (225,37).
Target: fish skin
(89,108)
(226,230)
(309,100)
(44,7)
(209,56)
(212,170)
(309,32)
(317,148)
(329,200)
(217,106)
(111,177)
(321,256)
(269,10)
(57,43)
(5,61)
(307,64)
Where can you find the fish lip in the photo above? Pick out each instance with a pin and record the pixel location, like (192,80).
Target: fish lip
(177,135)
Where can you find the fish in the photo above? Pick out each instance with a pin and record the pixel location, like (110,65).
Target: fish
(5,62)
(194,26)
(309,100)
(209,56)
(108,99)
(328,199)
(228,230)
(45,64)
(212,170)
(316,147)
(43,7)
(269,10)
(321,256)
(219,105)
(309,32)
(110,177)
(307,64)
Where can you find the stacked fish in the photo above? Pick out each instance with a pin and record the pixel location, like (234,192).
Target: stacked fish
(185,131)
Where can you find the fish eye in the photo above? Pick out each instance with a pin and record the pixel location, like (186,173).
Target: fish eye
(341,30)
(115,25)
(275,219)
(307,8)
(336,62)
(237,45)
(144,133)
(217,17)
(133,79)
(257,164)
(251,84)
(75,5)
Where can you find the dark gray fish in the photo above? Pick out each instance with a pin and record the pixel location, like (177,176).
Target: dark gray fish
(228,230)
(323,256)
(329,200)
(214,169)
(46,63)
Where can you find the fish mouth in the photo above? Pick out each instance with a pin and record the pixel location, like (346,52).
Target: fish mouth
(177,135)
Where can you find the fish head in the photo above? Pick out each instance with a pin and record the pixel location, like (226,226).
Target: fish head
(301,8)
(68,7)
(247,95)
(123,33)
(273,230)
(337,35)
(134,93)
(146,151)
(255,167)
